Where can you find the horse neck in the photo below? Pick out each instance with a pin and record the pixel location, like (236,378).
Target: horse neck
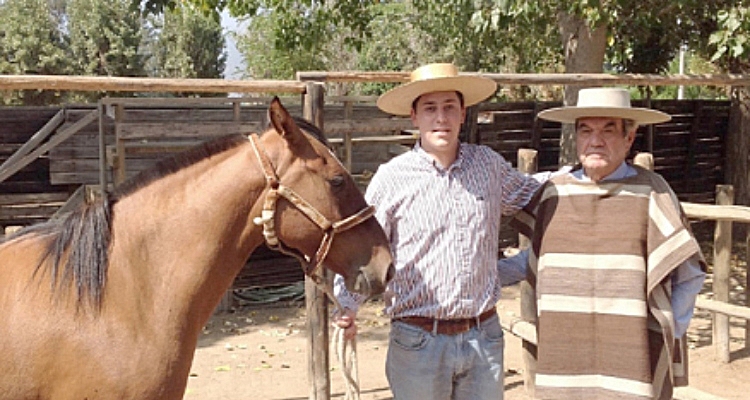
(185,237)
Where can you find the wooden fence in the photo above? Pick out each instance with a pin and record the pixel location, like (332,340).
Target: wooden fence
(135,133)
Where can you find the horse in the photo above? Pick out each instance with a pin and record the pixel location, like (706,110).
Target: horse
(108,301)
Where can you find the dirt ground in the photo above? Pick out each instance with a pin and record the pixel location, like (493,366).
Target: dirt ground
(261,353)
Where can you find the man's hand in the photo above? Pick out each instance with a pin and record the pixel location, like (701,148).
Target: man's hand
(346,320)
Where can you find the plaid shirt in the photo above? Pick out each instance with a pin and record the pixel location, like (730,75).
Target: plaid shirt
(443,225)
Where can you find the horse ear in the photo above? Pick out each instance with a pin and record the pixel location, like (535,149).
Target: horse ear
(282,122)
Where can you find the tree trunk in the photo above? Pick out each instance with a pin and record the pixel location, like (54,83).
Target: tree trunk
(738,145)
(584,53)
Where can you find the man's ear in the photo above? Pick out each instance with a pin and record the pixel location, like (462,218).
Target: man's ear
(631,136)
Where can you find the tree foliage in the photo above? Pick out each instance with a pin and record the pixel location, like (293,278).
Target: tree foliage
(104,38)
(729,44)
(264,60)
(298,24)
(32,43)
(189,45)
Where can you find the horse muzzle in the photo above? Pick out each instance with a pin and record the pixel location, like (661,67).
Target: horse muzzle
(369,284)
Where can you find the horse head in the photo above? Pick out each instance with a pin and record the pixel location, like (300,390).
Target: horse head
(331,224)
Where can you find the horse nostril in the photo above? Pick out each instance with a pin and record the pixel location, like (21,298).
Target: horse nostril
(391,272)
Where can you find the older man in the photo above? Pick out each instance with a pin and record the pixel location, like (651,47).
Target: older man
(613,264)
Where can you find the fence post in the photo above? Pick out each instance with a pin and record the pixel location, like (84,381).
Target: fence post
(103,165)
(747,285)
(119,166)
(315,299)
(645,160)
(527,163)
(722,256)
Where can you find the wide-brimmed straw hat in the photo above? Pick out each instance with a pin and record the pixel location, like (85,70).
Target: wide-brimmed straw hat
(436,78)
(604,102)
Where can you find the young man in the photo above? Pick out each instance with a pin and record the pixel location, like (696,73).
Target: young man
(440,205)
(614,265)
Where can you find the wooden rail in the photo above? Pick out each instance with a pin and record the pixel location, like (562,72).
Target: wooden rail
(123,84)
(541,79)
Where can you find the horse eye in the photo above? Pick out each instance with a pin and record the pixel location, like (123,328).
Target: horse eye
(337,180)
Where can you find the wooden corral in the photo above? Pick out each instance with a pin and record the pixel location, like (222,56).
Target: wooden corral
(689,149)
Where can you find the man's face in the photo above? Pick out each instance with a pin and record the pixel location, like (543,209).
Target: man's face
(438,116)
(602,145)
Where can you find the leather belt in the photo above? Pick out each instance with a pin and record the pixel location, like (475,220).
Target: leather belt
(447,326)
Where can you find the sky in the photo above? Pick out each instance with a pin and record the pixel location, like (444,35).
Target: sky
(234,59)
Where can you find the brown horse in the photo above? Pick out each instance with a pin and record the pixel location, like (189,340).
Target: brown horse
(108,302)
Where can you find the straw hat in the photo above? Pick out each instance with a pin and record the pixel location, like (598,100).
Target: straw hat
(604,102)
(436,78)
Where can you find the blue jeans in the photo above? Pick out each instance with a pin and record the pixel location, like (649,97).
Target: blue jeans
(467,366)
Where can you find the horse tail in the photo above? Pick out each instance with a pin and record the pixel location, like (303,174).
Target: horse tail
(78,251)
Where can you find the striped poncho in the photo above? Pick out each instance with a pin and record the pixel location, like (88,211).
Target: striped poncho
(601,258)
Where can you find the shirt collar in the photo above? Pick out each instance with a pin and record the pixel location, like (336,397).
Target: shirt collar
(428,158)
(623,171)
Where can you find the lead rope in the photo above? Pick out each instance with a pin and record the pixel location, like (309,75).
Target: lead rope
(346,349)
(346,353)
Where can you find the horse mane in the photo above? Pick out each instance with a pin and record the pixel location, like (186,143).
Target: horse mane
(78,243)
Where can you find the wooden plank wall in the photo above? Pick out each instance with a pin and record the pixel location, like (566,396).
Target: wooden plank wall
(688,150)
(76,161)
(183,124)
(28,196)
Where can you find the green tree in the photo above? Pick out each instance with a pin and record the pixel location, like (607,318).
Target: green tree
(32,43)
(105,39)
(300,23)
(188,44)
(264,60)
(396,44)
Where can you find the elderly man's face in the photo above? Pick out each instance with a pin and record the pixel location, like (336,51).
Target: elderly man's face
(602,145)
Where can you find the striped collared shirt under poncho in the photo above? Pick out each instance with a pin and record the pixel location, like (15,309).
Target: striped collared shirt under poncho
(443,225)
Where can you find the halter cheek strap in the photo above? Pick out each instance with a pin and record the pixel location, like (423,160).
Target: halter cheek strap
(276,190)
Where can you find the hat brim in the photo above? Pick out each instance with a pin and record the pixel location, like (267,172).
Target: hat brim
(569,115)
(399,100)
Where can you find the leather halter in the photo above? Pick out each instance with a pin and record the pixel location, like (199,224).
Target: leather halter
(310,265)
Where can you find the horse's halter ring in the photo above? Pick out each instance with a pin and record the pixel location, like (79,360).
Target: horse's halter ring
(310,265)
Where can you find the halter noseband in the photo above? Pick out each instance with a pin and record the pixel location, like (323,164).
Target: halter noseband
(310,266)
